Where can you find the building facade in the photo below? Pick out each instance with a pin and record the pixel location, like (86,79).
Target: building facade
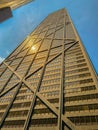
(13,4)
(48,82)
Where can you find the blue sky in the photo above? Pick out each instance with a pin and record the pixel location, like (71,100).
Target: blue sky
(84,14)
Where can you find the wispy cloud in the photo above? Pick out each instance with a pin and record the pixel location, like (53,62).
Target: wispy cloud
(1,59)
(7,52)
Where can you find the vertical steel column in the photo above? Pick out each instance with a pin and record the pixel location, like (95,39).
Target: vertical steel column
(62,82)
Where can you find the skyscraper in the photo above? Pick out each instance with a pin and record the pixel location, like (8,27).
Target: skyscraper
(5,13)
(48,82)
(13,3)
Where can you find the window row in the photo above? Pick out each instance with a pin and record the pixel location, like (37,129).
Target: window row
(76,71)
(75,55)
(15,123)
(28,97)
(79,89)
(52,71)
(81,107)
(57,80)
(75,66)
(73,51)
(52,93)
(84,120)
(77,76)
(44,122)
(17,113)
(81,98)
(79,82)
(48,87)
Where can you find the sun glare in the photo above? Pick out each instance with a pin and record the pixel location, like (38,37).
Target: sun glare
(33,48)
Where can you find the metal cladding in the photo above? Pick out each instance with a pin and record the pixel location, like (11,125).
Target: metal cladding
(48,81)
(13,4)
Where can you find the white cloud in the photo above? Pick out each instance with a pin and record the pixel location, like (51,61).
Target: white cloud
(1,59)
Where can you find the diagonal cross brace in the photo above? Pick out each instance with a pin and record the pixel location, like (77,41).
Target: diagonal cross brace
(45,101)
(27,76)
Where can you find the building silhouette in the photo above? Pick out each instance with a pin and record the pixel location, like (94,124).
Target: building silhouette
(5,13)
(48,82)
